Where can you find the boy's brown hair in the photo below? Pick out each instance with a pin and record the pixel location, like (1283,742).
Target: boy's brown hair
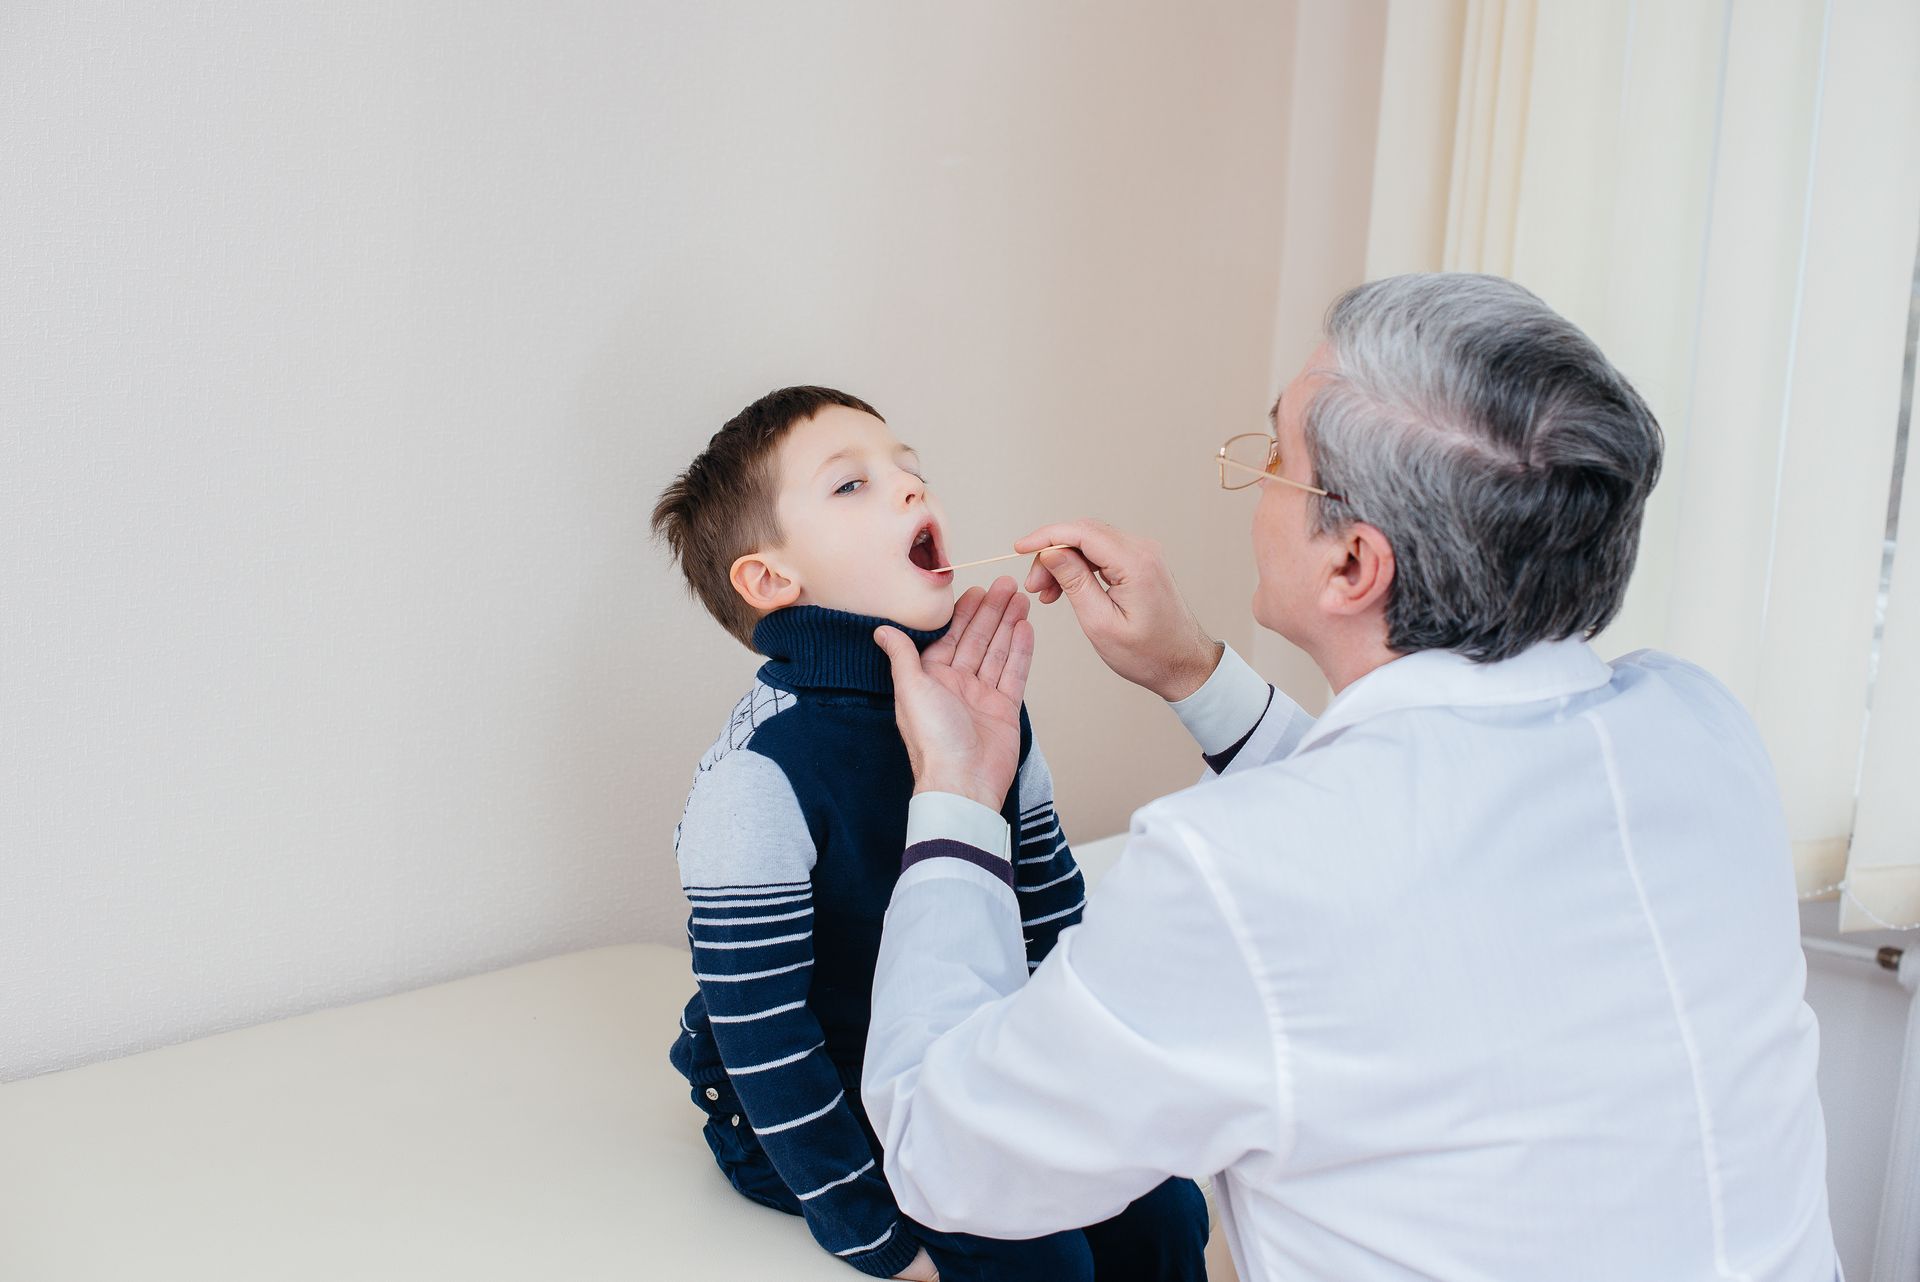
(722,506)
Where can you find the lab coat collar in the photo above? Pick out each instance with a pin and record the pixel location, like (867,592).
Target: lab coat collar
(1444,679)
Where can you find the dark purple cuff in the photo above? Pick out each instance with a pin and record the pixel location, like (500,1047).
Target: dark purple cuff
(945,848)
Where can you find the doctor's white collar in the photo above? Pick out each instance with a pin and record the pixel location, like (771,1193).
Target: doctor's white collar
(1445,679)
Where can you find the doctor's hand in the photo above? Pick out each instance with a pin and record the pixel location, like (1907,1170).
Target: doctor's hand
(958,704)
(1131,612)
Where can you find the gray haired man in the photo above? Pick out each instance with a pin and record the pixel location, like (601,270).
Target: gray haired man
(1491,971)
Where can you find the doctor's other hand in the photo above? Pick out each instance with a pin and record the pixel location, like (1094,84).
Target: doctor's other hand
(1131,612)
(921,1270)
(958,704)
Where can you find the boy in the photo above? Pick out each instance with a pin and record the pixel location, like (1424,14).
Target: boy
(802,526)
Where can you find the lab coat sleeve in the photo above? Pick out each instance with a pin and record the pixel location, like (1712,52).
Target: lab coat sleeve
(1238,719)
(1143,1047)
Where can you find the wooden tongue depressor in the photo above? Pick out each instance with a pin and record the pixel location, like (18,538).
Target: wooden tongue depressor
(989,560)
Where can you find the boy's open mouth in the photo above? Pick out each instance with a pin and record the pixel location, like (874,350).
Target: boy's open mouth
(923,552)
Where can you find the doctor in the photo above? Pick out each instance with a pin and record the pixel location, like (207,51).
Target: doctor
(1492,972)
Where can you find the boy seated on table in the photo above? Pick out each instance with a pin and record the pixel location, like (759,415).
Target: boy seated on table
(802,527)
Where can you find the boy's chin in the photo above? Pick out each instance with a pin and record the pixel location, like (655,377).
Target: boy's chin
(935,612)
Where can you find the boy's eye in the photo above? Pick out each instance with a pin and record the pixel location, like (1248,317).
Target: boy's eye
(850,486)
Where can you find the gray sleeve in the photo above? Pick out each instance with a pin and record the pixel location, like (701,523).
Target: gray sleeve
(743,827)
(746,858)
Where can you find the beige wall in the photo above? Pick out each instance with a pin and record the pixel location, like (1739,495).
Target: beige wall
(349,344)
(1332,115)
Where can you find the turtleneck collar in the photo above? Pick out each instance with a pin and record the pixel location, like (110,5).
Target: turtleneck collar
(810,647)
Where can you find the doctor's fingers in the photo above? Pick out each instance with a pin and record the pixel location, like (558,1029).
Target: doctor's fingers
(1000,648)
(1101,544)
(941,651)
(972,648)
(1013,680)
(1071,575)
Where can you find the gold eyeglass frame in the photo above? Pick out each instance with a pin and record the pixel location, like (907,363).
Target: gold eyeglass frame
(1268,473)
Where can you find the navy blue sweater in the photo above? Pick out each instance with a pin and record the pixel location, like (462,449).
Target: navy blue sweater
(788,851)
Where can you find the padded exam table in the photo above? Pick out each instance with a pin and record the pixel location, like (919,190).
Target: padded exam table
(513,1125)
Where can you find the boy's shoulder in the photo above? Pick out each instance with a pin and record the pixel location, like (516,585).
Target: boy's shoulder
(773,734)
(739,787)
(769,734)
(755,710)
(793,731)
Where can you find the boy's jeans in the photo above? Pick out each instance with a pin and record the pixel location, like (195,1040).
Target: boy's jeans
(1162,1237)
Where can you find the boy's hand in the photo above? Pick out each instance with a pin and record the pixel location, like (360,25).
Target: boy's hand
(958,705)
(921,1270)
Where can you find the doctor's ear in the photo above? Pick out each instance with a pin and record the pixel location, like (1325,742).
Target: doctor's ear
(1362,572)
(762,583)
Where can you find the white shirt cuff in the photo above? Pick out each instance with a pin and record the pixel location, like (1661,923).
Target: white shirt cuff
(1231,702)
(934,816)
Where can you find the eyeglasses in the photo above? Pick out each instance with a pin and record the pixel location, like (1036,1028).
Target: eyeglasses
(1258,453)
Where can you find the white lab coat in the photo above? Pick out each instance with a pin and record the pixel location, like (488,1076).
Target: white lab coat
(1491,973)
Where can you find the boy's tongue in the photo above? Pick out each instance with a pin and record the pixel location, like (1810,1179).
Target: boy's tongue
(921,553)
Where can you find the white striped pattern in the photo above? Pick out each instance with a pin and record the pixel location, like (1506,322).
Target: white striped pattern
(1047,858)
(748,921)
(782,1062)
(848,1178)
(722,892)
(757,974)
(814,1116)
(768,1013)
(753,943)
(747,903)
(859,1250)
(1035,921)
(1039,837)
(1068,875)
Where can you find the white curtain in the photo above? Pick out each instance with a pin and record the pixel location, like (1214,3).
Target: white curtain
(1727,197)
(1883,874)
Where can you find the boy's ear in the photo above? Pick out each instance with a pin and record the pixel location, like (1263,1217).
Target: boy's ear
(762,583)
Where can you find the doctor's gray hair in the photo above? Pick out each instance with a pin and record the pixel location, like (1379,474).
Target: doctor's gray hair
(1506,460)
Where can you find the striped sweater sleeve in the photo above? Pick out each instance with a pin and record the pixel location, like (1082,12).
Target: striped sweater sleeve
(1046,879)
(746,861)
